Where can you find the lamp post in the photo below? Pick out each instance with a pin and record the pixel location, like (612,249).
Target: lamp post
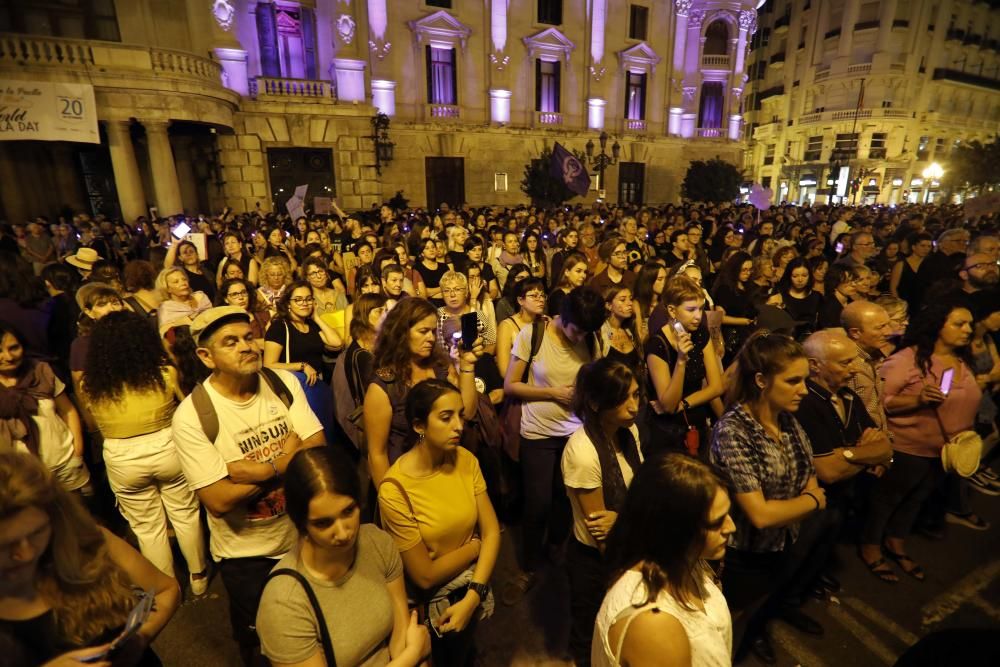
(602,161)
(932,173)
(380,137)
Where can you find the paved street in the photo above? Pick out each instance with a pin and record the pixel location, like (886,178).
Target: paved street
(870,627)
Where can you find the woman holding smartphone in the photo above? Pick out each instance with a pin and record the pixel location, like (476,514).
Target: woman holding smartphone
(931,393)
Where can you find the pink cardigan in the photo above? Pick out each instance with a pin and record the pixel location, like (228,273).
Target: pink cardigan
(918,432)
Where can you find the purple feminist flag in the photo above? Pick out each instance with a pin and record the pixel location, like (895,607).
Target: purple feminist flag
(565,167)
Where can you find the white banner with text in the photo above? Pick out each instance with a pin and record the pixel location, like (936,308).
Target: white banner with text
(48,112)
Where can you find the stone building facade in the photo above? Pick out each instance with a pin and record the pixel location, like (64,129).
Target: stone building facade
(855,99)
(209,103)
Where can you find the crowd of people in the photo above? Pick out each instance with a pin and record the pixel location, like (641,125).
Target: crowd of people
(683,408)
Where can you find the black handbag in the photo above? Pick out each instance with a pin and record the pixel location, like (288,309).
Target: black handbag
(324,632)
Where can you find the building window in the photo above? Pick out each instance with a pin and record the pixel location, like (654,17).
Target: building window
(922,152)
(547,86)
(287,38)
(635,96)
(550,12)
(717,39)
(814,149)
(73,19)
(846,147)
(877,150)
(886,104)
(710,109)
(441,81)
(638,17)
(443,4)
(769,155)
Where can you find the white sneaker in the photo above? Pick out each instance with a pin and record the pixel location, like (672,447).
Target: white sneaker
(199,586)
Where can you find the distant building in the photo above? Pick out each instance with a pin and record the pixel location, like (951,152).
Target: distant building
(930,73)
(207,103)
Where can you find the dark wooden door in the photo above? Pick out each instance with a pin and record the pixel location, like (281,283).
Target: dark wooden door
(631,176)
(445,181)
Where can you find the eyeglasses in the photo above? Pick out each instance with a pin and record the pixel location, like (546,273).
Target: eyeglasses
(453,291)
(315,274)
(302,300)
(242,294)
(982,265)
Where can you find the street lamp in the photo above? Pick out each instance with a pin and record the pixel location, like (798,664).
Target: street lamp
(380,137)
(603,160)
(933,172)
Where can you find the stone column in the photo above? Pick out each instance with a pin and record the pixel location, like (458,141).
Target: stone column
(887,13)
(128,181)
(161,163)
(846,41)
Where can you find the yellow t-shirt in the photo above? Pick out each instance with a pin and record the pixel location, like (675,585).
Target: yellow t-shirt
(136,413)
(444,515)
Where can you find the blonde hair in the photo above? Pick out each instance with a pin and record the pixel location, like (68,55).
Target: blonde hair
(88,592)
(280,262)
(161,280)
(454,278)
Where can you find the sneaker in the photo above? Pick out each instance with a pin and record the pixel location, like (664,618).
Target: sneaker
(200,585)
(983,484)
(970,520)
(515,589)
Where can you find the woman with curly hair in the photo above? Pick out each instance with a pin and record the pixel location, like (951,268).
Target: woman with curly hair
(922,418)
(275,277)
(131,391)
(407,351)
(70,589)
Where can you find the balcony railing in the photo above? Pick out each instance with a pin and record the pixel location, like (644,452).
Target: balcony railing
(635,125)
(443,111)
(302,90)
(964,77)
(548,118)
(860,68)
(715,61)
(821,74)
(105,57)
(711,132)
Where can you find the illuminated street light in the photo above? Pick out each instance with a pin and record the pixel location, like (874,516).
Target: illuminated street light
(932,174)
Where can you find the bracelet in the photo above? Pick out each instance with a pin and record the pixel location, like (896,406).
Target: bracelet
(814,498)
(461,370)
(274,468)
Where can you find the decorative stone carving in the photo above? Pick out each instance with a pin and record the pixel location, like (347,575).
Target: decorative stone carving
(683,6)
(689,92)
(549,42)
(639,58)
(695,18)
(379,48)
(441,27)
(224,13)
(748,20)
(345,28)
(499,60)
(597,71)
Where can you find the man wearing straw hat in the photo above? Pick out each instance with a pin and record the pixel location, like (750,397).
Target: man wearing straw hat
(84,260)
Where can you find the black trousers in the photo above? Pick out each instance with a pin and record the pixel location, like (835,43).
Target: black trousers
(588,582)
(244,581)
(547,514)
(455,649)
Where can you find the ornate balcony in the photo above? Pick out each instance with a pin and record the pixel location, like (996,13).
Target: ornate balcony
(635,125)
(711,132)
(268,89)
(715,62)
(442,111)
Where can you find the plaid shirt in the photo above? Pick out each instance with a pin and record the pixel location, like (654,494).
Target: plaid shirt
(748,459)
(867,384)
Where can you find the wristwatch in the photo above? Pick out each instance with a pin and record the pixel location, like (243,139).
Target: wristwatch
(482,590)
(848,454)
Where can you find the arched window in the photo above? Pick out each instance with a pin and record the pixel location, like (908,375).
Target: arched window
(717,39)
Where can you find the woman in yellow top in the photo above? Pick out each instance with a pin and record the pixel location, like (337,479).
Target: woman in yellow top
(434,504)
(132,393)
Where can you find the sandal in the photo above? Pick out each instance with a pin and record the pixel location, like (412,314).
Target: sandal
(881,569)
(914,570)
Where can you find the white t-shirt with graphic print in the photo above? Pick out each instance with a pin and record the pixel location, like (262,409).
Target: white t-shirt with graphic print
(255,430)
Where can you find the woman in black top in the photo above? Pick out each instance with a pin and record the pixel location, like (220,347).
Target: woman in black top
(199,277)
(732,294)
(236,254)
(431,270)
(534,255)
(795,294)
(619,339)
(297,337)
(685,376)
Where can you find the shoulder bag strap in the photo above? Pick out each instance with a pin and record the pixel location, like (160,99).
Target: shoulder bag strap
(402,491)
(205,410)
(277,385)
(324,632)
(288,346)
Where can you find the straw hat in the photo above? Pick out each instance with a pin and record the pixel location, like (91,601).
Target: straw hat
(85,258)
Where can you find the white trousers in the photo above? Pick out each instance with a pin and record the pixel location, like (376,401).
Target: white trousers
(145,474)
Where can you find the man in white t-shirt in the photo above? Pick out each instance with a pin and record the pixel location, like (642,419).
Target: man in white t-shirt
(259,422)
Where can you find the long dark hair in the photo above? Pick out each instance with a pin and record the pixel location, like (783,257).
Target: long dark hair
(667,551)
(312,472)
(421,399)
(112,368)
(924,330)
(729,273)
(392,347)
(18,281)
(765,353)
(571,259)
(508,286)
(785,282)
(643,289)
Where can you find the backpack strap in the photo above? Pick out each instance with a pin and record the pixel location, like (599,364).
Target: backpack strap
(537,334)
(205,409)
(324,631)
